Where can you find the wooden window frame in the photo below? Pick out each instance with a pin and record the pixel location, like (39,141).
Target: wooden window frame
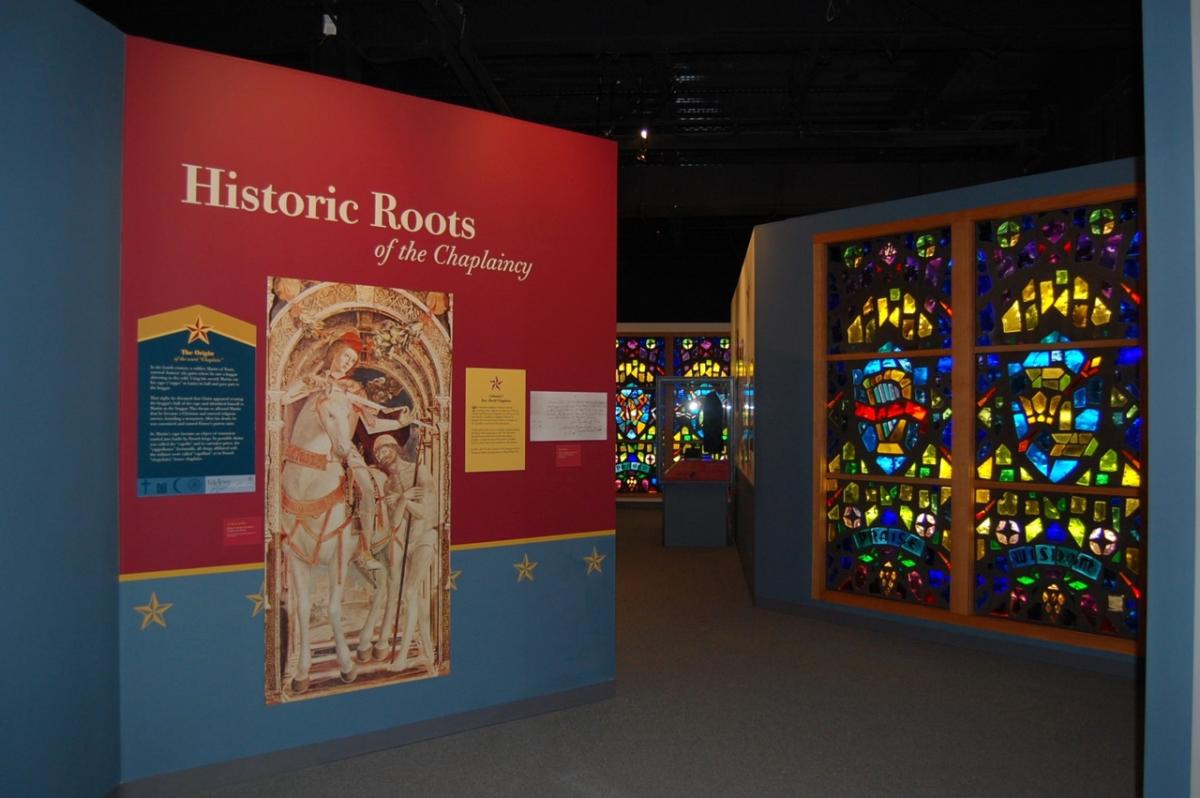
(963,351)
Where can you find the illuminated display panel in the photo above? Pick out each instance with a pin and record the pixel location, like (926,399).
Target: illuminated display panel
(890,293)
(1072,274)
(640,362)
(1059,460)
(888,416)
(702,356)
(888,540)
(1063,416)
(1071,560)
(1034,387)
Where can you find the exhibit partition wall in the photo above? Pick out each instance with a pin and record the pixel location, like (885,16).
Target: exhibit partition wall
(650,439)
(61,155)
(964,406)
(360,485)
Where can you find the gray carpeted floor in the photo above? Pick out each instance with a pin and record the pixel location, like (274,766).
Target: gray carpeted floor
(715,698)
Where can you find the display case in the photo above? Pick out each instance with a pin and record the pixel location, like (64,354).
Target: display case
(695,446)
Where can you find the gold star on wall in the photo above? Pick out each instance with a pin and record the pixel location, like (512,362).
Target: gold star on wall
(153,612)
(593,561)
(525,569)
(259,599)
(198,331)
(452,580)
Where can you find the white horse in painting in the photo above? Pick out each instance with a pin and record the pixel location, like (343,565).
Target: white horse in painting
(316,519)
(407,542)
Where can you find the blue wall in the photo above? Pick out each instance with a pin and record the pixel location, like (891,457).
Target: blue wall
(1171,247)
(192,692)
(60,204)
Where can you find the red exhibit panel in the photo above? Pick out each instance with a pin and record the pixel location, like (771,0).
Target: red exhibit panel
(271,213)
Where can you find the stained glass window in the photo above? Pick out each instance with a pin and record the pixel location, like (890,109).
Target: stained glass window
(890,416)
(640,362)
(888,540)
(1058,418)
(1063,416)
(1075,273)
(890,293)
(1066,559)
(703,356)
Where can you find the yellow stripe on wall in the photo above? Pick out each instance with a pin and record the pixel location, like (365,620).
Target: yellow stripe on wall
(258,566)
(216,569)
(174,321)
(493,544)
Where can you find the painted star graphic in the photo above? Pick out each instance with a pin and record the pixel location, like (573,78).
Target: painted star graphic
(153,612)
(452,580)
(198,331)
(496,383)
(259,599)
(525,569)
(593,561)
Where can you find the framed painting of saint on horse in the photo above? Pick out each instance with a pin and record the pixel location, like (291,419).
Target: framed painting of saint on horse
(357,487)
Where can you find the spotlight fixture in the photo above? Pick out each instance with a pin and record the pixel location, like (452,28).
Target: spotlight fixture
(644,133)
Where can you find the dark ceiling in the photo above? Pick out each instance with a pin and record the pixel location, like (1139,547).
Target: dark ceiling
(756,111)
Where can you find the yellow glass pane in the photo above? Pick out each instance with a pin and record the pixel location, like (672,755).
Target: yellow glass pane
(1011,320)
(985,469)
(1108,461)
(1100,313)
(1133,560)
(910,304)
(1046,289)
(1008,504)
(1077,530)
(1130,478)
(1033,529)
(1031,317)
(1081,289)
(1051,509)
(882,304)
(1003,455)
(924,328)
(1063,303)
